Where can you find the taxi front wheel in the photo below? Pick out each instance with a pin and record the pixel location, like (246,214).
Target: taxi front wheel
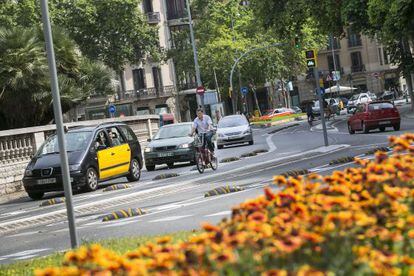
(134,171)
(91,180)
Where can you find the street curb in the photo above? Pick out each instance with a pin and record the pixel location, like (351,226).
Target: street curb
(342,160)
(295,173)
(117,187)
(223,190)
(283,128)
(125,213)
(261,151)
(53,201)
(373,151)
(249,154)
(229,159)
(165,176)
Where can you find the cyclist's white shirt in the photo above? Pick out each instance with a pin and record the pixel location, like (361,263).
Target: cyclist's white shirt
(202,126)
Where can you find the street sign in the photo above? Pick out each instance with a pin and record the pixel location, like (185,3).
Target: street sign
(328,78)
(200,90)
(112,109)
(336,75)
(244,90)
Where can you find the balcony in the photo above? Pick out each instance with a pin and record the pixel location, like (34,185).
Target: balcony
(358,68)
(153,17)
(187,86)
(149,93)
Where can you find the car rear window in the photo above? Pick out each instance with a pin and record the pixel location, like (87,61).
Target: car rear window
(128,133)
(380,106)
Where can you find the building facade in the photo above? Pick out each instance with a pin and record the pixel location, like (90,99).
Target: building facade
(362,62)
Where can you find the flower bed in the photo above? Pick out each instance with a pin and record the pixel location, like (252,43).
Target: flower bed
(357,221)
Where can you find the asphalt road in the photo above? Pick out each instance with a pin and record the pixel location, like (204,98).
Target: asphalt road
(28,231)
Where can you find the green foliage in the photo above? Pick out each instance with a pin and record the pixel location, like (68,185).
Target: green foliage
(25,80)
(224,31)
(115,32)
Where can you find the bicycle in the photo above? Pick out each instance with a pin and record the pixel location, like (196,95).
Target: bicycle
(204,156)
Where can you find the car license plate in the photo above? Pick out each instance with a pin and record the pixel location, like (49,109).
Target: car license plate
(165,154)
(46,181)
(384,123)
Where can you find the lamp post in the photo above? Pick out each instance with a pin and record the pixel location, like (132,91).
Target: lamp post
(200,97)
(57,110)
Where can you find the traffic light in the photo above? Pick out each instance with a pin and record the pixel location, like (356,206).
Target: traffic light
(297,44)
(311,58)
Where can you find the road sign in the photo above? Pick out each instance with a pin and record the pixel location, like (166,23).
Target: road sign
(336,75)
(112,109)
(244,90)
(311,58)
(200,90)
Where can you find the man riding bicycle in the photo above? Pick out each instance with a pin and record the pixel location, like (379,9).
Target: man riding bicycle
(204,126)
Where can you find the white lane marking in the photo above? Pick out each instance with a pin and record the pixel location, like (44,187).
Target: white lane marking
(1,259)
(25,253)
(118,224)
(24,234)
(26,257)
(170,218)
(224,213)
(272,146)
(165,207)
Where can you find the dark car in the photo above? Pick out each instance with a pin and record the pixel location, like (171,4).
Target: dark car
(374,115)
(171,144)
(95,154)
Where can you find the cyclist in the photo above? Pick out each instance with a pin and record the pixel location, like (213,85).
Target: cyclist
(204,126)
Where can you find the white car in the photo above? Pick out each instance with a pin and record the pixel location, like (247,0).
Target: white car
(358,99)
(233,129)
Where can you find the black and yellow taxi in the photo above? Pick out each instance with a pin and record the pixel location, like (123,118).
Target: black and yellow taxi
(95,153)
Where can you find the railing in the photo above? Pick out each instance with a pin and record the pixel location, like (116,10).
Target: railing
(153,17)
(187,86)
(358,68)
(149,93)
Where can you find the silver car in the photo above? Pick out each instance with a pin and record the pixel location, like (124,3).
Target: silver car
(233,129)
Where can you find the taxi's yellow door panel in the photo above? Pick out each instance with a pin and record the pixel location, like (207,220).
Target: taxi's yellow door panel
(114,161)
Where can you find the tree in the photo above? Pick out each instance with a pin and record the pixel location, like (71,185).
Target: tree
(225,30)
(25,98)
(113,31)
(392,22)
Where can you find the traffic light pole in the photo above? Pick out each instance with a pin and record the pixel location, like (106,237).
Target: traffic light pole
(321,106)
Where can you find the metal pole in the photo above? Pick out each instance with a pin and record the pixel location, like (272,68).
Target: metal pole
(193,43)
(217,86)
(57,109)
(318,89)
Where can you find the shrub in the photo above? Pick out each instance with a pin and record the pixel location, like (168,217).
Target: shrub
(357,221)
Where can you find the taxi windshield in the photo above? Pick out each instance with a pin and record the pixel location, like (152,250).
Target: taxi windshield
(75,141)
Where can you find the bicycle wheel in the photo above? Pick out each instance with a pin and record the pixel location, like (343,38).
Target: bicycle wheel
(214,162)
(200,166)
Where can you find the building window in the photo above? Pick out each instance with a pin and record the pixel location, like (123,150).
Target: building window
(156,74)
(176,9)
(335,42)
(356,61)
(331,63)
(354,39)
(147,6)
(138,76)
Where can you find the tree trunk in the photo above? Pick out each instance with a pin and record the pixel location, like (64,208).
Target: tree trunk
(257,102)
(121,75)
(409,79)
(408,59)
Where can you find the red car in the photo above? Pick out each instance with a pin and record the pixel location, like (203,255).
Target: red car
(374,115)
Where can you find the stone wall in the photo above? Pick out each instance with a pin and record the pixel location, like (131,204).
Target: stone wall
(17,146)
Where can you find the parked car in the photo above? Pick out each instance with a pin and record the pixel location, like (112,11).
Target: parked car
(95,154)
(368,116)
(276,113)
(387,95)
(171,144)
(358,99)
(233,129)
(297,109)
